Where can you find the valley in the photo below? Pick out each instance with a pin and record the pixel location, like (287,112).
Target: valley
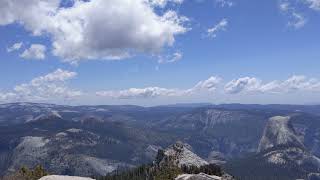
(98,140)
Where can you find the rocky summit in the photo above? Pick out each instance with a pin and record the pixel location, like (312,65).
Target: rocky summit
(179,155)
(200,176)
(281,145)
(279,131)
(57,177)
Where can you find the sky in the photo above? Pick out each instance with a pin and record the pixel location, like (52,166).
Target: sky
(153,52)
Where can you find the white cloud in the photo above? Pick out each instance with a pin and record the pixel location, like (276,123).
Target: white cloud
(177,56)
(313,4)
(163,3)
(242,84)
(36,51)
(292,84)
(153,92)
(149,92)
(5,97)
(210,84)
(298,20)
(44,88)
(295,18)
(53,87)
(89,29)
(284,6)
(221,26)
(15,47)
(225,3)
(33,14)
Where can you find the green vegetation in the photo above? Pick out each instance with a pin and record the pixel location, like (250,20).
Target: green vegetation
(151,172)
(27,174)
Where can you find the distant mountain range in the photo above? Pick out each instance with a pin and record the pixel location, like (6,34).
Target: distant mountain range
(96,140)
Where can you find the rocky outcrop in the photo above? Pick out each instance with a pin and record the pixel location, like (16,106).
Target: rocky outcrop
(279,131)
(203,119)
(179,155)
(56,177)
(202,176)
(30,151)
(281,145)
(61,154)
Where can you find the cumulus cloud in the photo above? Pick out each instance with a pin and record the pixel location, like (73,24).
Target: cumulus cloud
(210,84)
(48,87)
(54,87)
(221,26)
(36,51)
(242,84)
(15,47)
(153,92)
(89,29)
(33,14)
(292,84)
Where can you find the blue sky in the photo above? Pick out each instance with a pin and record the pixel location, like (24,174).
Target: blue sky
(257,52)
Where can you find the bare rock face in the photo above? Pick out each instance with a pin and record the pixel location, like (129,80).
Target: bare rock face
(50,115)
(202,120)
(281,145)
(202,176)
(31,151)
(56,177)
(279,131)
(179,155)
(296,156)
(54,153)
(151,151)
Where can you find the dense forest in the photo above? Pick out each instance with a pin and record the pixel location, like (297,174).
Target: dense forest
(27,174)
